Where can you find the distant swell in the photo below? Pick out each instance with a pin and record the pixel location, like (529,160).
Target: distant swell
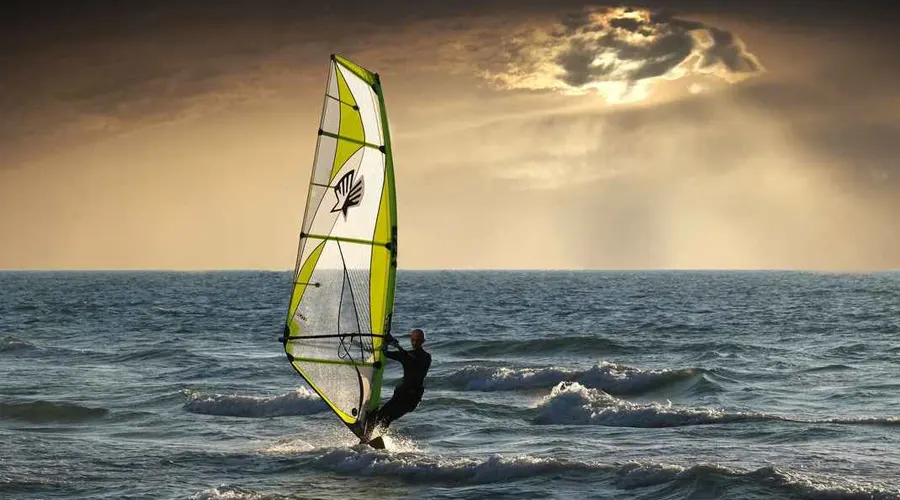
(300,402)
(551,345)
(885,421)
(609,377)
(170,351)
(49,411)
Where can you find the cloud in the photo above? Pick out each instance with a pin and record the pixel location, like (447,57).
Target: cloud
(618,51)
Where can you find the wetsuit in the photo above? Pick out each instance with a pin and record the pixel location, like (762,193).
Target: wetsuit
(407,395)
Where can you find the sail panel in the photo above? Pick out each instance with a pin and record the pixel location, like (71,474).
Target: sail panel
(329,313)
(347,386)
(367,104)
(344,278)
(331,116)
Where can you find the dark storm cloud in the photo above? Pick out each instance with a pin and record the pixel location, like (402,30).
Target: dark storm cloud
(76,70)
(605,44)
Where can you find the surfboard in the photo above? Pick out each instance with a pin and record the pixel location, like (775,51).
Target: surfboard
(342,294)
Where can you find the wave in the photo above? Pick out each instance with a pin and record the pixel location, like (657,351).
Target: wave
(719,348)
(827,368)
(821,486)
(884,421)
(574,404)
(157,354)
(12,344)
(299,402)
(168,350)
(49,411)
(490,410)
(849,349)
(547,345)
(609,377)
(571,403)
(224,492)
(765,482)
(425,468)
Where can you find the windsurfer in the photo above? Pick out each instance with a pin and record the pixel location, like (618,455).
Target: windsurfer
(408,394)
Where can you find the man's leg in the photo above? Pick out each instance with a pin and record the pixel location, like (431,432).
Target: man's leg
(396,407)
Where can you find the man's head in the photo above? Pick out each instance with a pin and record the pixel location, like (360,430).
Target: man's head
(416,338)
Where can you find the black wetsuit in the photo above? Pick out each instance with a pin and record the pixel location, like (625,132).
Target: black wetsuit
(408,394)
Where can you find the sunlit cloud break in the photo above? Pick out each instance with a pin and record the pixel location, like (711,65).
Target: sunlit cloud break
(619,52)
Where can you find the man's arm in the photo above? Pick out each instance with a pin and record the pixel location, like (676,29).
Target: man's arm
(399,355)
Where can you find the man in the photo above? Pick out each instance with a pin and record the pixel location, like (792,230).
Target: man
(408,394)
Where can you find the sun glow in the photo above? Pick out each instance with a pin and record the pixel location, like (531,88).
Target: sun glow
(621,54)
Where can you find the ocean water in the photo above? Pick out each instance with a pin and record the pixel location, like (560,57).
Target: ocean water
(634,385)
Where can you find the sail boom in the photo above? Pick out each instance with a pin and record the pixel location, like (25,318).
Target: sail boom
(346,240)
(333,362)
(307,337)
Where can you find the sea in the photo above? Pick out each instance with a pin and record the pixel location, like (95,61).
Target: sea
(583,385)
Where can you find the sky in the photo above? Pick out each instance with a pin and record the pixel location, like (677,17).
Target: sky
(526,135)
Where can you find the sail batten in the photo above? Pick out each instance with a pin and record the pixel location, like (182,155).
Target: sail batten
(351,140)
(343,285)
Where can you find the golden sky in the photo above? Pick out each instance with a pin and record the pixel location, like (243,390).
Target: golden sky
(173,135)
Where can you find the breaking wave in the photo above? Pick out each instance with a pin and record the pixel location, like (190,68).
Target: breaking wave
(574,404)
(609,377)
(571,403)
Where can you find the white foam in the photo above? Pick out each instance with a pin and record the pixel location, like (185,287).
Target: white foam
(299,402)
(638,475)
(397,443)
(609,377)
(225,493)
(825,486)
(860,421)
(337,436)
(574,404)
(287,446)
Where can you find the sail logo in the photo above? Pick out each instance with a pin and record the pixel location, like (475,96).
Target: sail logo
(349,192)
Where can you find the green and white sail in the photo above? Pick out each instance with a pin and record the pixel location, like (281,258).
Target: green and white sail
(343,291)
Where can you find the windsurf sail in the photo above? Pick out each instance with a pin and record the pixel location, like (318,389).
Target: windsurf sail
(343,287)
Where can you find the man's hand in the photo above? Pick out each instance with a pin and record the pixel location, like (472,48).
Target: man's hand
(390,340)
